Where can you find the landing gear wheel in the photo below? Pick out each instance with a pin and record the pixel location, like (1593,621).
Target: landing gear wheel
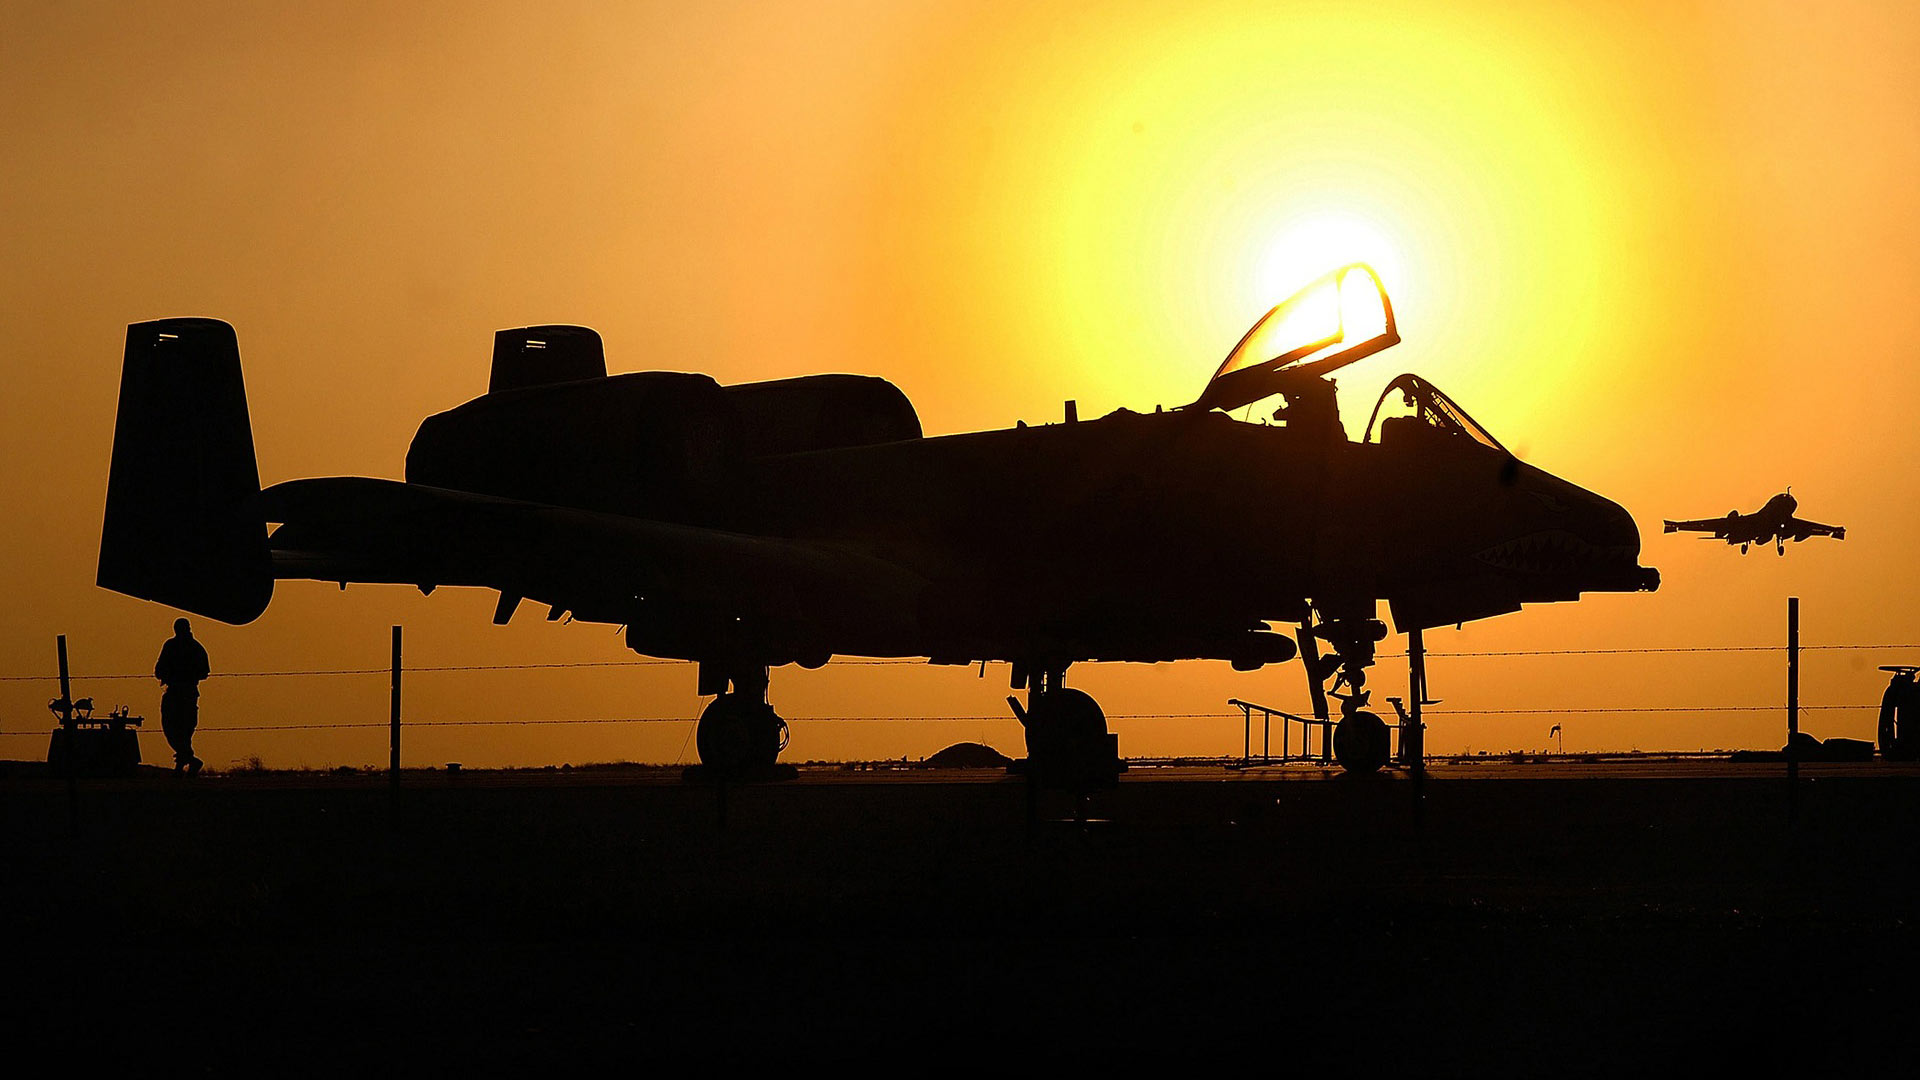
(1067,742)
(1360,742)
(739,736)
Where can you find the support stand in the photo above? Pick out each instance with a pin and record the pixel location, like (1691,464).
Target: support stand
(1316,693)
(1413,738)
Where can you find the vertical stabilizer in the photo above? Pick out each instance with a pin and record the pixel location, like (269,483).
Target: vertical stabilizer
(544,355)
(183,523)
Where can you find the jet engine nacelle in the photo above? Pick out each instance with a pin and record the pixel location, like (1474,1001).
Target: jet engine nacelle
(556,429)
(644,444)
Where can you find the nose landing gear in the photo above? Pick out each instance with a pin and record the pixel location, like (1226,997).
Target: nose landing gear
(1361,742)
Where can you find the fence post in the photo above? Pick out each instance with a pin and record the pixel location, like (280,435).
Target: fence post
(1793,701)
(393,730)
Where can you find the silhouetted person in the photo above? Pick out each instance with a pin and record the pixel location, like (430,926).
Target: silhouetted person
(182,664)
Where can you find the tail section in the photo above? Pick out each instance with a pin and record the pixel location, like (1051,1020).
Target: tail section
(183,523)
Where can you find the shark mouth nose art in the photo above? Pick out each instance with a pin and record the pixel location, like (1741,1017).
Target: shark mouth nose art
(1551,551)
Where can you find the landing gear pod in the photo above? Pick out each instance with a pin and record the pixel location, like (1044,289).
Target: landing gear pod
(1068,745)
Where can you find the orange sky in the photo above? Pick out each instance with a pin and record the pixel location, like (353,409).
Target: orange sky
(1667,251)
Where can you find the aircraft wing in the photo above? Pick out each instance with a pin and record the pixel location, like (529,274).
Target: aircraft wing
(603,567)
(1800,529)
(1722,528)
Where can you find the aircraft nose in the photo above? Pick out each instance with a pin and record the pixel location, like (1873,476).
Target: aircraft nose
(1615,539)
(1573,537)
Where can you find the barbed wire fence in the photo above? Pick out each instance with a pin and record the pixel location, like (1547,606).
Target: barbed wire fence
(52,679)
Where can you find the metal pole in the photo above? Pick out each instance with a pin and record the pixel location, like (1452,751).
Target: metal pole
(393,731)
(1793,696)
(1310,656)
(1413,743)
(67,733)
(66,687)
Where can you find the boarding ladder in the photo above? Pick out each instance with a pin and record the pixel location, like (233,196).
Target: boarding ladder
(1318,750)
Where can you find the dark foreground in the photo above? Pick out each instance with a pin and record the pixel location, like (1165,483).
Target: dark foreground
(1536,922)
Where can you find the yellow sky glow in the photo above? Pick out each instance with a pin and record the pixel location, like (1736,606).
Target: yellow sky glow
(1662,250)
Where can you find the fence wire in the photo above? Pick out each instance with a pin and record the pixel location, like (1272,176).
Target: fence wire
(893,662)
(207,729)
(997,717)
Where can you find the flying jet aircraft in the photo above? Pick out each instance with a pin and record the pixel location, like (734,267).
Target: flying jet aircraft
(1774,521)
(751,526)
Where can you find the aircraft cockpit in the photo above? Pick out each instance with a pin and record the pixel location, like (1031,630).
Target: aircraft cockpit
(1430,414)
(1340,317)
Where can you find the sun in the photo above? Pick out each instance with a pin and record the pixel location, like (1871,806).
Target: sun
(1306,246)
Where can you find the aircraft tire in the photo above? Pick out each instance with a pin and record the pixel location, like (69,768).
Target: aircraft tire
(739,735)
(1361,743)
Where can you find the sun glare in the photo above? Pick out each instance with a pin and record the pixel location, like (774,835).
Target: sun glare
(1308,246)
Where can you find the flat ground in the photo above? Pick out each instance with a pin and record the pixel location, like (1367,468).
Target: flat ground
(1561,918)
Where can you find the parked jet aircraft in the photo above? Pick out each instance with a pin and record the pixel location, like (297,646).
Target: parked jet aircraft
(1774,521)
(751,526)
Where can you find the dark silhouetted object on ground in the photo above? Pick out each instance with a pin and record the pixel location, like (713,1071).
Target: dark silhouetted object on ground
(1810,748)
(87,745)
(1774,521)
(788,522)
(182,664)
(969,755)
(1900,715)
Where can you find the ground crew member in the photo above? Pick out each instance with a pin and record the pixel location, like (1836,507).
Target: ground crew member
(182,664)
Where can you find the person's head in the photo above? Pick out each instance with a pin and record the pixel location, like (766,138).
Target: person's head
(182,628)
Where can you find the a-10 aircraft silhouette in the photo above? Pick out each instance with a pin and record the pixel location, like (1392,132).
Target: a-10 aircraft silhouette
(1774,521)
(752,526)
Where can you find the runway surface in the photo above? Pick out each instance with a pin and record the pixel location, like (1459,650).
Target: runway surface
(1566,917)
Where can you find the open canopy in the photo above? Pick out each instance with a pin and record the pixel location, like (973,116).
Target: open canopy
(1340,317)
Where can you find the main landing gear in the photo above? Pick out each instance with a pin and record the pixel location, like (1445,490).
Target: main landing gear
(740,737)
(1361,742)
(1068,745)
